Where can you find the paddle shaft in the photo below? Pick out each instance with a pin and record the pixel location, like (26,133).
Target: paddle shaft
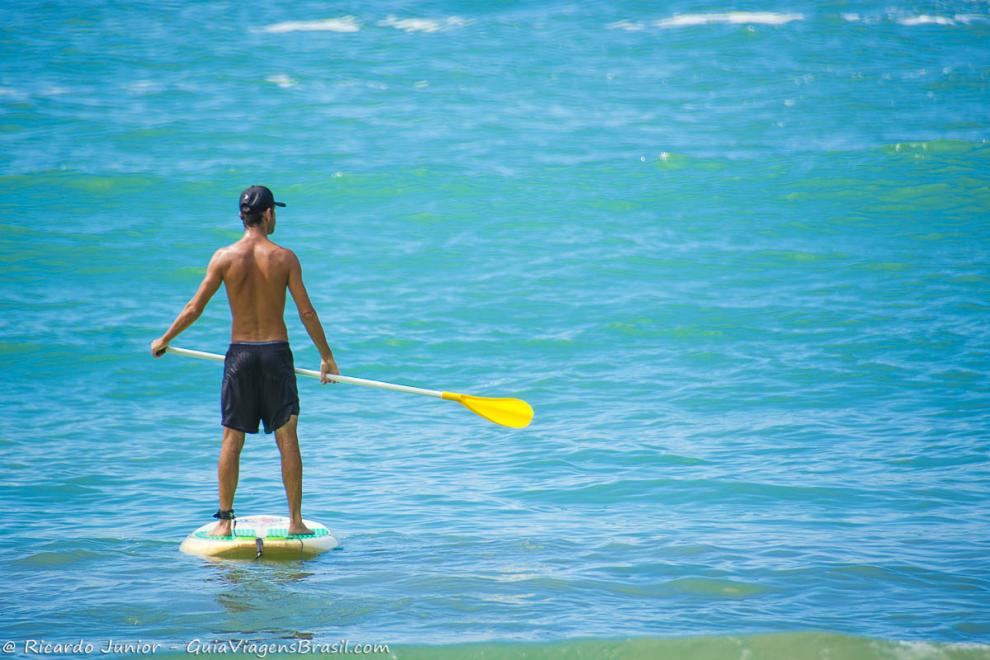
(364,382)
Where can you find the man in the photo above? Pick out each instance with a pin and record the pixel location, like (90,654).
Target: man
(259,381)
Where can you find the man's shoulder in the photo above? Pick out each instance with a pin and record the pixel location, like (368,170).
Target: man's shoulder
(268,250)
(283,252)
(222,254)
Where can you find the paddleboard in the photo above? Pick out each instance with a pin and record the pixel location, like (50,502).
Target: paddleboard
(268,535)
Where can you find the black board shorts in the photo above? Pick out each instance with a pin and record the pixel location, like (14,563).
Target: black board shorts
(259,384)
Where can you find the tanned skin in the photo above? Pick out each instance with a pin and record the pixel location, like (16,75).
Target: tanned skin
(256,273)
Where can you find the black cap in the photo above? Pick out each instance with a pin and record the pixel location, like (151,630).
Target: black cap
(257,198)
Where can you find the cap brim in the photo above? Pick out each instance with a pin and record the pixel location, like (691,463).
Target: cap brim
(279,203)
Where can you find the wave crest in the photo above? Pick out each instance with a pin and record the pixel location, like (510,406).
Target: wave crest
(343,24)
(732,17)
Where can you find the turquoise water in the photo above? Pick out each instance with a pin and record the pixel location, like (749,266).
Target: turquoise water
(738,263)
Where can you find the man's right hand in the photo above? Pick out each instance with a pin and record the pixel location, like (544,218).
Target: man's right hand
(158,347)
(328,366)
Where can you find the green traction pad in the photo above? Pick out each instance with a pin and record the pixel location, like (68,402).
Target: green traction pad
(274,533)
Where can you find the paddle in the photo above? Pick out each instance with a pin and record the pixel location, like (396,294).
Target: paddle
(514,413)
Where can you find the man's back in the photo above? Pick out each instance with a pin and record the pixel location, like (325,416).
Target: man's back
(256,274)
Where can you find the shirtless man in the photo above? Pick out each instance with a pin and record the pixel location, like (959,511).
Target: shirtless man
(258,382)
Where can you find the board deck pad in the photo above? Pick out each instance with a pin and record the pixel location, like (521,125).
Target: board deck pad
(277,543)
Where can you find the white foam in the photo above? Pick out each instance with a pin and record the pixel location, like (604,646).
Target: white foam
(629,26)
(342,24)
(282,80)
(850,17)
(423,24)
(12,93)
(925,19)
(732,17)
(145,87)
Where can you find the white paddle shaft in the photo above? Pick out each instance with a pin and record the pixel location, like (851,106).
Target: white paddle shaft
(364,382)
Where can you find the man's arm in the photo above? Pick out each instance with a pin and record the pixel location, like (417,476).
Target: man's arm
(211,282)
(307,314)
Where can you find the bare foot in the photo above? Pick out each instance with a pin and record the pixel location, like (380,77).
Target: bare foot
(222,528)
(299,530)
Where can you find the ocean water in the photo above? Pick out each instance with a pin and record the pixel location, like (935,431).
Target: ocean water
(736,257)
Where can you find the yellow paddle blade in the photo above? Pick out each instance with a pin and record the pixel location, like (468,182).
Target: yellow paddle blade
(514,413)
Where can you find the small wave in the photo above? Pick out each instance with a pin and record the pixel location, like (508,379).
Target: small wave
(629,26)
(11,93)
(343,24)
(766,645)
(423,24)
(912,21)
(282,80)
(925,19)
(732,17)
(138,87)
(715,587)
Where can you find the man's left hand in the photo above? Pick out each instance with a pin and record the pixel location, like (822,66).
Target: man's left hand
(328,366)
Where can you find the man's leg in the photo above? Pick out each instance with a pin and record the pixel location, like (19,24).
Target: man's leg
(228,468)
(288,446)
